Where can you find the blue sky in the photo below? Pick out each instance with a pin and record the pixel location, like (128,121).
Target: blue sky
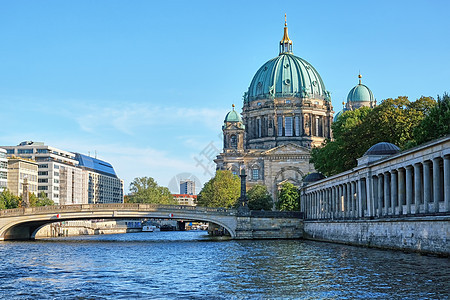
(146,84)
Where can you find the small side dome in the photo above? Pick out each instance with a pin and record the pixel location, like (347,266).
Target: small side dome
(233,116)
(382,148)
(360,93)
(336,116)
(313,177)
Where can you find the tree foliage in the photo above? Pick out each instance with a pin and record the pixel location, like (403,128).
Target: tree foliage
(8,200)
(354,132)
(147,190)
(259,198)
(288,197)
(40,200)
(436,122)
(223,190)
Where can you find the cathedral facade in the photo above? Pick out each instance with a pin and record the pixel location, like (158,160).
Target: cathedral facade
(286,111)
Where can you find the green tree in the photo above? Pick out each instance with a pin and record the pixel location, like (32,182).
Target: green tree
(42,200)
(147,190)
(436,122)
(259,198)
(223,190)
(288,197)
(8,200)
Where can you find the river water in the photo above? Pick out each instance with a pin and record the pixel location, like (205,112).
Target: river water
(189,265)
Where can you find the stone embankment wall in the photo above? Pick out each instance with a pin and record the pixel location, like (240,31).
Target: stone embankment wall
(269,228)
(425,235)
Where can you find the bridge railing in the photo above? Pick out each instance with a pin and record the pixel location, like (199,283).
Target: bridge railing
(115,206)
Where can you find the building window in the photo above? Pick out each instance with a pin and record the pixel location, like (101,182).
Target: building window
(255,174)
(56,166)
(42,180)
(42,187)
(56,173)
(288,126)
(25,151)
(41,150)
(297,126)
(9,151)
(233,141)
(43,166)
(43,173)
(258,122)
(280,126)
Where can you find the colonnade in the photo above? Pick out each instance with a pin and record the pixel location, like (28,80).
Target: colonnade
(406,187)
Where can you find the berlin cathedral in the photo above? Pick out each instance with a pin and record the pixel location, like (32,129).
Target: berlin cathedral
(286,111)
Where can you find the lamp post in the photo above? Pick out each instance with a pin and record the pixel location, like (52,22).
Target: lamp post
(243,202)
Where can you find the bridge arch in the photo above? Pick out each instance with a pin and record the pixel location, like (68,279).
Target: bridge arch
(24,223)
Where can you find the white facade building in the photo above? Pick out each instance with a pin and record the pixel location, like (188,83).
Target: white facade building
(58,175)
(3,170)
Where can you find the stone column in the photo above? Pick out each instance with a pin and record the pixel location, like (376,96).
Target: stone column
(353,191)
(436,184)
(361,194)
(417,188)
(349,200)
(387,193)
(374,199)
(409,189)
(332,203)
(344,200)
(370,207)
(447,183)
(401,190)
(394,195)
(426,186)
(380,195)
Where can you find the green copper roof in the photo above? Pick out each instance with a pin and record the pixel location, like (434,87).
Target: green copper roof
(233,116)
(287,76)
(360,93)
(336,116)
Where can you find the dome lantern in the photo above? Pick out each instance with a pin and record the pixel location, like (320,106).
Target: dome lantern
(286,42)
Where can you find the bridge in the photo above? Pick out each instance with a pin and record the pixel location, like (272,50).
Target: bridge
(24,223)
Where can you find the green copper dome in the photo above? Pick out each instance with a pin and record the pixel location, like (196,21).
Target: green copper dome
(233,116)
(287,76)
(360,93)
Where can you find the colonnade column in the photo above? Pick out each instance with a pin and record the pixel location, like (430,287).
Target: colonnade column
(436,184)
(401,190)
(426,186)
(417,188)
(352,192)
(394,192)
(380,195)
(387,193)
(447,183)
(349,199)
(409,189)
(361,184)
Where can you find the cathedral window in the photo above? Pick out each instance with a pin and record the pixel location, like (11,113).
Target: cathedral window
(297,126)
(288,126)
(233,141)
(280,126)
(258,122)
(255,174)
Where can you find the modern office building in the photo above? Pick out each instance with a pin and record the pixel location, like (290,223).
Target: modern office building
(3,170)
(100,182)
(187,187)
(20,169)
(58,175)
